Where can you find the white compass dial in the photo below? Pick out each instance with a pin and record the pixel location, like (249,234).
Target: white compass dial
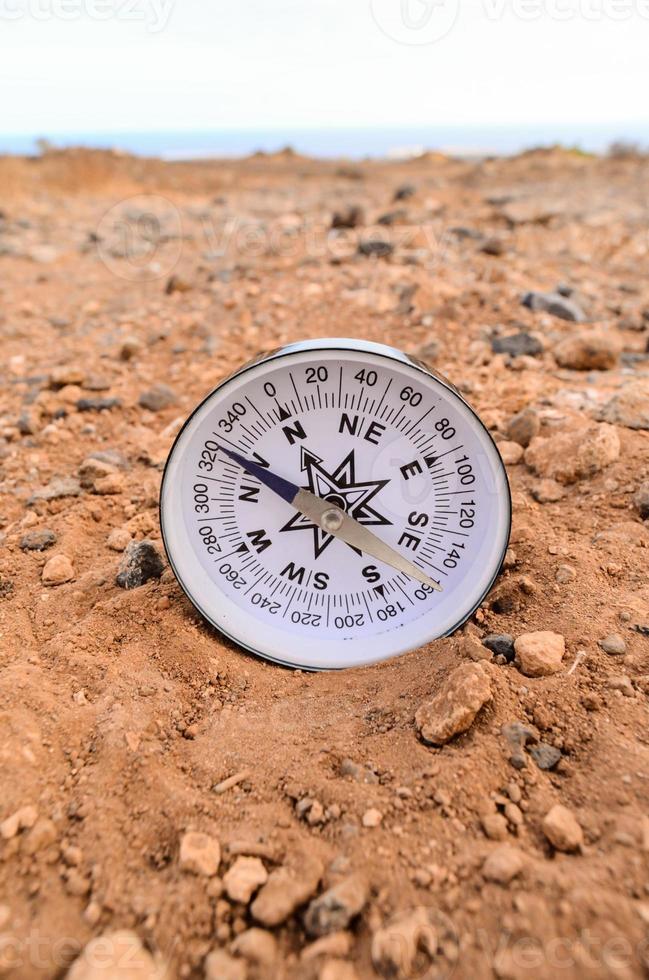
(406,535)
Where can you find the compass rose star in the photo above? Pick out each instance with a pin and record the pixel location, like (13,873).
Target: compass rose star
(340,488)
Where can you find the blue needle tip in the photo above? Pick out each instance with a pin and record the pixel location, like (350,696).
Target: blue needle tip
(283,488)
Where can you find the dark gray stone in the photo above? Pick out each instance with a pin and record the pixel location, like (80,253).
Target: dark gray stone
(95,382)
(141,562)
(376,247)
(546,756)
(27,424)
(397,217)
(38,540)
(404,192)
(554,303)
(462,232)
(517,344)
(518,736)
(57,489)
(349,217)
(641,500)
(493,246)
(157,398)
(97,404)
(500,643)
(334,909)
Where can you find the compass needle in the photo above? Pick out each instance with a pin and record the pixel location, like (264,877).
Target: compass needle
(332,520)
(335,503)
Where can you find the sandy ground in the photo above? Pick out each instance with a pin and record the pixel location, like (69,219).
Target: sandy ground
(121,711)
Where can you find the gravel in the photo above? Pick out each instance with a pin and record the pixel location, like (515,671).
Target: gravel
(613,644)
(38,540)
(501,644)
(141,562)
(157,398)
(517,345)
(555,304)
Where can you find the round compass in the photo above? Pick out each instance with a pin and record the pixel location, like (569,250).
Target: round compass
(335,503)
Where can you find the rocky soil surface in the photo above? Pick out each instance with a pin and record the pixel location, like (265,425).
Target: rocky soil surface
(172,807)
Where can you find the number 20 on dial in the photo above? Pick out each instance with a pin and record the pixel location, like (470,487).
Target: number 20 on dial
(335,503)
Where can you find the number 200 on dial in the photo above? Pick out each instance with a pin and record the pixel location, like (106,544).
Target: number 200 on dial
(387,447)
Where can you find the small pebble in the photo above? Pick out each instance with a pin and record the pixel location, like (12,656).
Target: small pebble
(375,247)
(495,826)
(118,539)
(97,404)
(200,854)
(140,563)
(621,683)
(462,694)
(157,398)
(539,654)
(57,570)
(334,909)
(503,864)
(501,644)
(613,644)
(372,818)
(243,879)
(546,756)
(337,944)
(511,453)
(547,491)
(523,427)
(257,946)
(641,500)
(23,819)
(38,540)
(555,304)
(562,829)
(517,345)
(219,965)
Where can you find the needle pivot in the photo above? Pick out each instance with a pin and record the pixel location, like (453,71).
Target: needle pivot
(332,520)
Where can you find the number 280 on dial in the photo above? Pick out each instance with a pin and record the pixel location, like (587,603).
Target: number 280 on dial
(335,503)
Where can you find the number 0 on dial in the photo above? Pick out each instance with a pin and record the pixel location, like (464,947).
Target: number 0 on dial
(335,503)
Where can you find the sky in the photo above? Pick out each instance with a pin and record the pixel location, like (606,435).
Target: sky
(93,65)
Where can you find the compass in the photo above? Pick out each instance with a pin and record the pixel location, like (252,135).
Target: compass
(335,503)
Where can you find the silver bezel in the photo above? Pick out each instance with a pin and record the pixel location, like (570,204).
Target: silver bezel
(312,346)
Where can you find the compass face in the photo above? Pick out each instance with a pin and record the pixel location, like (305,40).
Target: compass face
(378,438)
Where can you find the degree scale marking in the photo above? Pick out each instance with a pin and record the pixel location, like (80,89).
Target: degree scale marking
(422,442)
(414,434)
